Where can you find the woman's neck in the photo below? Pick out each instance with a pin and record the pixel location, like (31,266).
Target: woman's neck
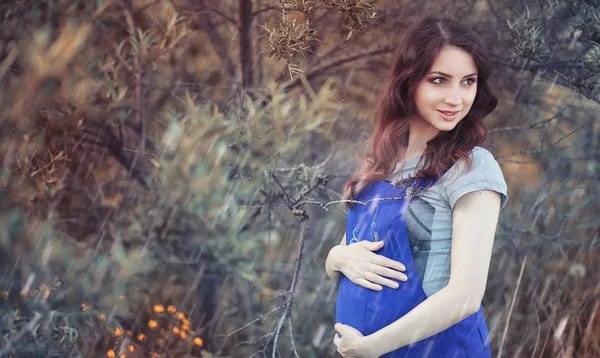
(420,132)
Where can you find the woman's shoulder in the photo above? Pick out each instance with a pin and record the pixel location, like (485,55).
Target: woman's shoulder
(481,154)
(484,172)
(480,158)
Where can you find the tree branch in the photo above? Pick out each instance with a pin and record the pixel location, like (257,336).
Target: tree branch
(272,8)
(217,41)
(290,299)
(554,68)
(140,121)
(317,71)
(246,50)
(222,14)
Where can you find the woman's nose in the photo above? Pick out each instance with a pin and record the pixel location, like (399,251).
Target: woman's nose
(453,98)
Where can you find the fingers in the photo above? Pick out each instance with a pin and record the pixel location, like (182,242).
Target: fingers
(387,262)
(367,284)
(374,278)
(371,245)
(386,272)
(380,259)
(336,341)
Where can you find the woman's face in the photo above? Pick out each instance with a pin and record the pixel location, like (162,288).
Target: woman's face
(446,93)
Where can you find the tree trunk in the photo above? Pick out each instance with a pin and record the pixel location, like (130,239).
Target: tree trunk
(246,46)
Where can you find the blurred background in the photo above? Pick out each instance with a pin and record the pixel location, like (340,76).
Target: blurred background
(169,171)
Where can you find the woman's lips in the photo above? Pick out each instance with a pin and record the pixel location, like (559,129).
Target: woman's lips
(448,115)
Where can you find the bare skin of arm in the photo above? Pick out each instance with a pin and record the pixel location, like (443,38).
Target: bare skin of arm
(332,273)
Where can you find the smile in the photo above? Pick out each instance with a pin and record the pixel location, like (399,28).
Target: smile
(448,115)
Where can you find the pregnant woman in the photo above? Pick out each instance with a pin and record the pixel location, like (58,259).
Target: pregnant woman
(419,232)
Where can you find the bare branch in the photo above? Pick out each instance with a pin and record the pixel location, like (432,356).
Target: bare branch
(251,323)
(291,328)
(219,12)
(246,50)
(290,299)
(217,41)
(320,70)
(271,8)
(140,121)
(535,125)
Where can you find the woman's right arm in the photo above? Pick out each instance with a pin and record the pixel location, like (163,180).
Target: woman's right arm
(331,265)
(363,266)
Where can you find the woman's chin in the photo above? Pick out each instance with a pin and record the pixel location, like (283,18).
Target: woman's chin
(446,126)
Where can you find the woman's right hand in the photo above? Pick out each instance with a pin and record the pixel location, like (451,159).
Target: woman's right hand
(364,267)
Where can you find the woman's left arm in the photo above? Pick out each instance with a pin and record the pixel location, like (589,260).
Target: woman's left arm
(475,216)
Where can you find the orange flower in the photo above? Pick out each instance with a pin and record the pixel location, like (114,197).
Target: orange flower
(176,330)
(118,331)
(141,337)
(181,316)
(198,341)
(110,353)
(102,316)
(131,348)
(159,308)
(182,334)
(152,323)
(171,308)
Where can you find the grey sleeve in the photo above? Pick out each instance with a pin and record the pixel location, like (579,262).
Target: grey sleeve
(485,173)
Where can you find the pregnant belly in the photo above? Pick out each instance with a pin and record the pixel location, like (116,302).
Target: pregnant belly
(369,311)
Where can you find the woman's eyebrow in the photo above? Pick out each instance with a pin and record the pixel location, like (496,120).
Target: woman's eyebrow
(447,75)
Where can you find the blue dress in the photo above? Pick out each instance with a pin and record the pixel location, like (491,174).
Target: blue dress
(368,311)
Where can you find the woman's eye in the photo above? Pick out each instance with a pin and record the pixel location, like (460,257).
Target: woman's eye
(441,80)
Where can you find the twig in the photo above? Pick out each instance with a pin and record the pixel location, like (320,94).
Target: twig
(288,200)
(521,152)
(230,19)
(139,86)
(271,8)
(250,323)
(535,125)
(308,191)
(303,166)
(216,40)
(317,71)
(512,306)
(290,299)
(291,327)
(537,339)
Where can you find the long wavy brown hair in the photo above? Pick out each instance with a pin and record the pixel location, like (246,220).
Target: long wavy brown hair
(413,58)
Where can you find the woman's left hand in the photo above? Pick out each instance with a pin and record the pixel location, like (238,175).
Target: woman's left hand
(351,343)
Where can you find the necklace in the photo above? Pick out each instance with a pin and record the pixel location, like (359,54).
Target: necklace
(416,187)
